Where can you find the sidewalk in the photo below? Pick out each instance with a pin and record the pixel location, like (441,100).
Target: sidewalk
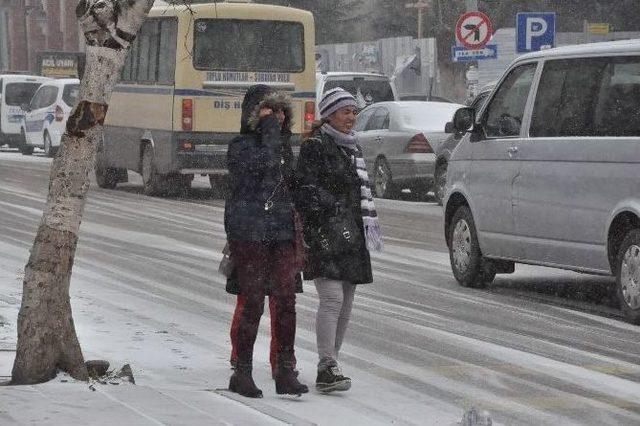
(64,401)
(73,403)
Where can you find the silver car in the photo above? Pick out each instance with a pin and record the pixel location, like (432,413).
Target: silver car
(548,173)
(398,142)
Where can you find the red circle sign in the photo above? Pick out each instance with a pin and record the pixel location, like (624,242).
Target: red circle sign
(474,30)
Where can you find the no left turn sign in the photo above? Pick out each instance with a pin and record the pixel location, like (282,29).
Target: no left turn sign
(474,30)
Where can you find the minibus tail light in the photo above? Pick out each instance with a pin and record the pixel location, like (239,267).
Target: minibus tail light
(309,115)
(59,113)
(187,146)
(187,114)
(419,145)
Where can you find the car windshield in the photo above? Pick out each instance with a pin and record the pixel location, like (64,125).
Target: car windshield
(365,91)
(248,45)
(20,93)
(428,116)
(70,94)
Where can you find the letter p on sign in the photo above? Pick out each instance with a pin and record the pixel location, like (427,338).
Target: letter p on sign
(535,31)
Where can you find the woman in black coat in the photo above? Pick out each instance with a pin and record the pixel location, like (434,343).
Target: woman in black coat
(340,226)
(259,221)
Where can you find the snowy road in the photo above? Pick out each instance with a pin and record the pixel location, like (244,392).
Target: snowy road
(539,347)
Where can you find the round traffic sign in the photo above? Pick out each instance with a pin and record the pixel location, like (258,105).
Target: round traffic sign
(474,30)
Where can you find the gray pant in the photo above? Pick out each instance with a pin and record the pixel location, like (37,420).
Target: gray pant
(334,310)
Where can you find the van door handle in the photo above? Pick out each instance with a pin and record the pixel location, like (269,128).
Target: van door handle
(378,138)
(512,150)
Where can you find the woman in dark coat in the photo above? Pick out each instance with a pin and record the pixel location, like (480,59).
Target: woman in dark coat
(259,221)
(340,226)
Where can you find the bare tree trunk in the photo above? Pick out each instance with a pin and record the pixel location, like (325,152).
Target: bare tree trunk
(47,340)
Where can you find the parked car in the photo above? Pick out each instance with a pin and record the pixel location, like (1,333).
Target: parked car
(446,148)
(367,88)
(398,140)
(45,117)
(15,90)
(548,172)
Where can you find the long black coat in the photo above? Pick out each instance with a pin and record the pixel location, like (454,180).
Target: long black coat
(260,163)
(326,176)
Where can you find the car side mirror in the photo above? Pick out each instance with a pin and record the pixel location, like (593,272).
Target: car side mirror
(463,119)
(448,128)
(25,107)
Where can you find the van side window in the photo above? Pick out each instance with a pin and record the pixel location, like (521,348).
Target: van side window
(505,112)
(616,112)
(50,94)
(143,64)
(565,101)
(36,99)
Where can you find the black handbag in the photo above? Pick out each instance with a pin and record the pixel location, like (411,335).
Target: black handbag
(340,233)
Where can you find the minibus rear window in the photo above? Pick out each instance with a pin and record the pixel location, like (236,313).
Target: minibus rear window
(20,93)
(248,45)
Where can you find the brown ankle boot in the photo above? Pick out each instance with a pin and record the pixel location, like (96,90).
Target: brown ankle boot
(241,382)
(287,381)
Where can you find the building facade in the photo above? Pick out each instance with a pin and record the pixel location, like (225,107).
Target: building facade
(30,27)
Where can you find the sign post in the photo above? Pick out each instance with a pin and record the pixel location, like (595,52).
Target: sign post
(421,5)
(473,32)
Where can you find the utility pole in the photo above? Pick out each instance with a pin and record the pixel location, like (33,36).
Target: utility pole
(421,5)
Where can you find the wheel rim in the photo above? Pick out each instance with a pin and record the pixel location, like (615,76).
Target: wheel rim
(382,179)
(630,277)
(461,245)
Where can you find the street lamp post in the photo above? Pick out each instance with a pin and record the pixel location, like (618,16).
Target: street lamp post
(421,6)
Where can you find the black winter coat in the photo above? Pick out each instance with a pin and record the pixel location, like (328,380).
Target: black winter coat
(326,176)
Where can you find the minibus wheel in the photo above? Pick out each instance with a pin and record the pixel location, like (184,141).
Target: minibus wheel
(628,276)
(219,186)
(106,177)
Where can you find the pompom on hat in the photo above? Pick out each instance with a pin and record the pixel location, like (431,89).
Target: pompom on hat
(333,100)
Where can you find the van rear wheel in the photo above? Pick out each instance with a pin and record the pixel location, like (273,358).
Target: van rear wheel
(24,148)
(468,266)
(628,276)
(49,150)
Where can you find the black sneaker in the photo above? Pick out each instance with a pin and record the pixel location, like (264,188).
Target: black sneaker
(331,379)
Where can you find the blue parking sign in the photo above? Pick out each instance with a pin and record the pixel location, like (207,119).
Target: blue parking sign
(535,31)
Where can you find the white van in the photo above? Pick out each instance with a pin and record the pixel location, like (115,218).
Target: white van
(547,171)
(45,118)
(367,88)
(15,90)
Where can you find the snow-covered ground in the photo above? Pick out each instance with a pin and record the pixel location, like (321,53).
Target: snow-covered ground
(420,349)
